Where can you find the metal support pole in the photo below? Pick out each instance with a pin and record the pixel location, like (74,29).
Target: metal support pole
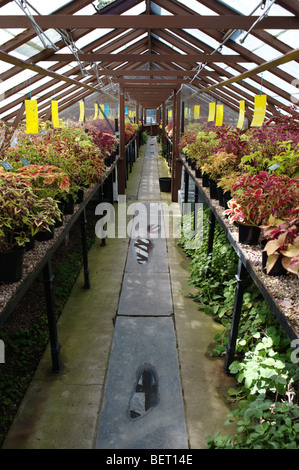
(196,195)
(48,279)
(186,186)
(212,221)
(84,250)
(231,345)
(183,118)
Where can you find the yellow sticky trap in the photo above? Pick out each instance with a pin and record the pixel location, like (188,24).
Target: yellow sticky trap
(212,111)
(55,117)
(130,113)
(241,115)
(170,113)
(101,111)
(82,111)
(196,111)
(260,103)
(219,115)
(32,126)
(95,111)
(186,113)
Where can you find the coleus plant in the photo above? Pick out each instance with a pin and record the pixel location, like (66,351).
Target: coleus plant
(256,197)
(283,242)
(22,212)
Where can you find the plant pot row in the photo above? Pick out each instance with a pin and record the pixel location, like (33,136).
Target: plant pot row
(11,263)
(247,234)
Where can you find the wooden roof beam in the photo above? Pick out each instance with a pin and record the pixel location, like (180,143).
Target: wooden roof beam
(149,57)
(149,21)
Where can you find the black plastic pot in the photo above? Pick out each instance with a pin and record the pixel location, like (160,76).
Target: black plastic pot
(205,180)
(30,245)
(44,235)
(79,196)
(249,234)
(221,197)
(278,269)
(11,265)
(198,173)
(59,223)
(165,184)
(213,189)
(69,206)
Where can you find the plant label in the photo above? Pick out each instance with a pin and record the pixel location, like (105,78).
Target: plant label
(6,165)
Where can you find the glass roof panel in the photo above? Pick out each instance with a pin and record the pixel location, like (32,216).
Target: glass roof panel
(252,43)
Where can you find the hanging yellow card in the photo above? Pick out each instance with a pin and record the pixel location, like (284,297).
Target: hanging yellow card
(31,117)
(212,111)
(241,115)
(219,115)
(95,111)
(55,117)
(260,103)
(196,111)
(186,112)
(170,113)
(101,111)
(82,111)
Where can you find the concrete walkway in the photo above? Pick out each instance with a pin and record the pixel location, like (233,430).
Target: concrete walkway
(135,350)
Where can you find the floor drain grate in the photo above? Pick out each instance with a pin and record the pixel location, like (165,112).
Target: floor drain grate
(143,247)
(145,396)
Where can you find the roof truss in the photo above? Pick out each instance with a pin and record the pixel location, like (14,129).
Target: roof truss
(154,60)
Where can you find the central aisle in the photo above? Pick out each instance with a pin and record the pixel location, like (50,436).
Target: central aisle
(143,405)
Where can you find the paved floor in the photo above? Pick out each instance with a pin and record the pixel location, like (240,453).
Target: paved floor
(135,351)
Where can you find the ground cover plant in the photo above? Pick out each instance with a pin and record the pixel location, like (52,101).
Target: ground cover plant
(265,397)
(25,333)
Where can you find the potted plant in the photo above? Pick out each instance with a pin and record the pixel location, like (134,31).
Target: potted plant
(217,166)
(256,197)
(22,214)
(281,246)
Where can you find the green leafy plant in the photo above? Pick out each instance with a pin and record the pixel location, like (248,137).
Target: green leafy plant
(283,242)
(261,424)
(22,212)
(256,197)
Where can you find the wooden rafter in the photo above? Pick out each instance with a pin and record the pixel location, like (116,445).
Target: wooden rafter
(149,21)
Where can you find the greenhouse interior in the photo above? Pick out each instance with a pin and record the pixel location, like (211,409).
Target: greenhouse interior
(149,226)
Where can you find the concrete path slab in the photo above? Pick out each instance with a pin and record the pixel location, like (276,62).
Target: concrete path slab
(145,294)
(147,255)
(143,343)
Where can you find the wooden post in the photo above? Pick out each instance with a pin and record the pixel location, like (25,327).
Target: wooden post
(176,163)
(138,133)
(163,124)
(121,167)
